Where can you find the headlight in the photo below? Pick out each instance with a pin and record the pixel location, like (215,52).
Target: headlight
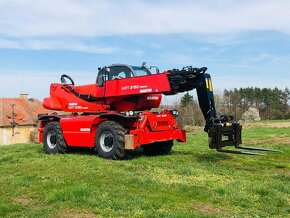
(174,113)
(129,113)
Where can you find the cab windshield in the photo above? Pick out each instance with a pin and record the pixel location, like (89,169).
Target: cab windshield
(141,71)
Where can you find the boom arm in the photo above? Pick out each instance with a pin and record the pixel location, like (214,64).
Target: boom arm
(195,78)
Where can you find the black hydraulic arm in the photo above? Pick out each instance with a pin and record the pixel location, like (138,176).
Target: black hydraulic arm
(195,78)
(205,97)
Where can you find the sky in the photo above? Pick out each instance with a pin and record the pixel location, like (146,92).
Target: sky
(243,43)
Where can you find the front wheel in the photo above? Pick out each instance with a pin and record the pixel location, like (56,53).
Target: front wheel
(53,140)
(110,140)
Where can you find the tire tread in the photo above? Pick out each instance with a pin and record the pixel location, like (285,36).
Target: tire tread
(61,143)
(119,132)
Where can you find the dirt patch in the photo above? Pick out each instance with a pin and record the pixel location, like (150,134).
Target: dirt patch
(207,208)
(71,213)
(270,124)
(245,125)
(270,140)
(281,125)
(23,200)
(193,128)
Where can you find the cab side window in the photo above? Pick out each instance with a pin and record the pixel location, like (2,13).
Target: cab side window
(115,72)
(102,77)
(120,72)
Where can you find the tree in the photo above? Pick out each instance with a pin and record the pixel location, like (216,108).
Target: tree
(190,115)
(186,99)
(189,112)
(272,103)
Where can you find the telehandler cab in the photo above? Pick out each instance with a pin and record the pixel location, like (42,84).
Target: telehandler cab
(113,115)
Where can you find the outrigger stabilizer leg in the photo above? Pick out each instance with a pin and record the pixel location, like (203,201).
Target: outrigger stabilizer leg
(222,131)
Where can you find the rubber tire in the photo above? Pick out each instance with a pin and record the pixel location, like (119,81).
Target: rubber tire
(158,148)
(118,151)
(61,146)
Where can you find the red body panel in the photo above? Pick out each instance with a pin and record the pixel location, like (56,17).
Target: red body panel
(144,138)
(156,83)
(135,93)
(63,100)
(157,127)
(80,130)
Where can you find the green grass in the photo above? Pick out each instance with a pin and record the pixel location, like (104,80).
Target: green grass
(193,181)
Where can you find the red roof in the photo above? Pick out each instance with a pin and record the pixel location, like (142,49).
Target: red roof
(25,111)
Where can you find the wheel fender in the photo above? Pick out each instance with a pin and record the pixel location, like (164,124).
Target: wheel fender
(52,117)
(80,130)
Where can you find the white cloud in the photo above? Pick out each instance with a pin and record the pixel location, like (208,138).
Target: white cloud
(61,24)
(26,18)
(52,44)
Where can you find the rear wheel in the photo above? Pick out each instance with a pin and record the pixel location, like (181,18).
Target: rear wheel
(158,148)
(53,140)
(110,140)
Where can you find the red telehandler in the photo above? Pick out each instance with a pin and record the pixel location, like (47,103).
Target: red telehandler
(113,115)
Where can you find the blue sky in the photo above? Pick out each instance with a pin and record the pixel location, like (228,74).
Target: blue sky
(243,43)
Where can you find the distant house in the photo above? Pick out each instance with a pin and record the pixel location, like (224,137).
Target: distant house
(18,119)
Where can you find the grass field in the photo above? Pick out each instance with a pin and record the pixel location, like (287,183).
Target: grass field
(193,181)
